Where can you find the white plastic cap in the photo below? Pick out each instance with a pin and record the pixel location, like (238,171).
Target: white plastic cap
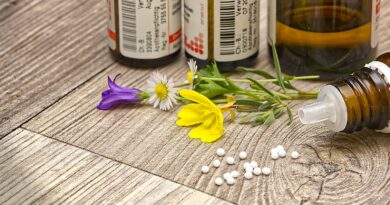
(330,109)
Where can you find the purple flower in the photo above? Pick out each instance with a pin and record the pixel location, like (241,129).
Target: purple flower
(117,95)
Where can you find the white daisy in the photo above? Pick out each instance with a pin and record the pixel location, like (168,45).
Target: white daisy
(162,91)
(193,69)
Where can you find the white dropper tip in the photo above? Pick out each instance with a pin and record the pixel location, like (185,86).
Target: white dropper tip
(318,112)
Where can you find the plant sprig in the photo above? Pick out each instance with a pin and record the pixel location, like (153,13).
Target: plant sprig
(262,104)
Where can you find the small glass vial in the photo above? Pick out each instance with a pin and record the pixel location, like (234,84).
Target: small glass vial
(144,33)
(322,37)
(226,31)
(358,101)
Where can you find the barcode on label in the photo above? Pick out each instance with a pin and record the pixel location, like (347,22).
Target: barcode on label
(227,27)
(129,25)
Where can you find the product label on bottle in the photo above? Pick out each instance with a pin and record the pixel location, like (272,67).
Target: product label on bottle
(272,21)
(111,24)
(376,7)
(236,29)
(149,29)
(196,29)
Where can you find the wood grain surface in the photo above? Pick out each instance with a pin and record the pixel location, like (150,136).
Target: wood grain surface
(39,170)
(48,48)
(53,76)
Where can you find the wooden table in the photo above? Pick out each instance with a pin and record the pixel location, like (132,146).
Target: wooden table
(56,147)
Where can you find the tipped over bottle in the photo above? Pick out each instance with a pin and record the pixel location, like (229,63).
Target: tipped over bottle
(355,102)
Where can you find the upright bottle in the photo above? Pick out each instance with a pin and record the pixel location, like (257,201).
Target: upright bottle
(324,37)
(144,33)
(355,102)
(226,31)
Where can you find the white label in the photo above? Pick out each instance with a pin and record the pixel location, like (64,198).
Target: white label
(196,28)
(236,29)
(149,29)
(111,24)
(272,21)
(376,7)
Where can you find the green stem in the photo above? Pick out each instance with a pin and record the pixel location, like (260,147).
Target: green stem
(262,80)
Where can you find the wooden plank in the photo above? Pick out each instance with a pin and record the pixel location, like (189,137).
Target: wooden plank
(47,52)
(333,168)
(12,7)
(38,170)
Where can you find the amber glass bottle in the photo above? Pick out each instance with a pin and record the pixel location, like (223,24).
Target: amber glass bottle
(324,37)
(355,102)
(144,33)
(226,31)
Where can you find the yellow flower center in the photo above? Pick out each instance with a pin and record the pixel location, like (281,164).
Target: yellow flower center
(161,91)
(190,77)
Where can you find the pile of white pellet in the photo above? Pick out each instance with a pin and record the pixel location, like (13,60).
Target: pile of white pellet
(250,168)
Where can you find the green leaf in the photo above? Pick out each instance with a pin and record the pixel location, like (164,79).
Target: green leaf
(267,75)
(290,115)
(262,87)
(277,66)
(270,119)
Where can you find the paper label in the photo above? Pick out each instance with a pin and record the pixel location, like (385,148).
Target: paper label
(272,21)
(196,29)
(111,24)
(149,29)
(236,29)
(376,7)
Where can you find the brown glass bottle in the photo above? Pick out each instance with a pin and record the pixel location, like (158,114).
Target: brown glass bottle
(144,34)
(355,102)
(225,31)
(324,37)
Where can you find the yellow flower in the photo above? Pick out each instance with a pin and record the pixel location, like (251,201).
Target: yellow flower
(203,113)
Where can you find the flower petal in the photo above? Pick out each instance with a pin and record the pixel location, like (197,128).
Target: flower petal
(198,98)
(110,100)
(116,88)
(191,114)
(207,134)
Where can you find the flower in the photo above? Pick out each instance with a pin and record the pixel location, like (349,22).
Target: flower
(204,113)
(162,91)
(191,74)
(117,95)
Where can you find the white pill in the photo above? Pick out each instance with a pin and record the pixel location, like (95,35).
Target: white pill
(274,151)
(254,164)
(227,176)
(266,171)
(231,181)
(280,147)
(247,164)
(294,154)
(282,153)
(243,155)
(218,181)
(257,171)
(235,174)
(230,160)
(275,156)
(249,169)
(216,163)
(220,152)
(205,169)
(248,175)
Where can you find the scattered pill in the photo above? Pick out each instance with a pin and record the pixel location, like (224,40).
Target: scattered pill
(282,153)
(266,171)
(220,152)
(205,169)
(231,181)
(227,176)
(216,163)
(254,164)
(235,174)
(243,155)
(257,171)
(218,181)
(294,154)
(275,156)
(280,147)
(230,160)
(249,169)
(247,164)
(248,175)
(274,151)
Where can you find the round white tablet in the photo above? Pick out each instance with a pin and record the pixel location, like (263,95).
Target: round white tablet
(294,154)
(205,169)
(243,155)
(216,163)
(266,171)
(218,181)
(257,171)
(230,160)
(220,152)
